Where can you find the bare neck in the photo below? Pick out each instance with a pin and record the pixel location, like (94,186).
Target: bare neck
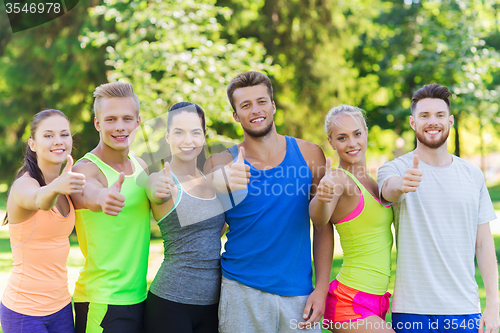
(49,171)
(263,148)
(117,159)
(438,157)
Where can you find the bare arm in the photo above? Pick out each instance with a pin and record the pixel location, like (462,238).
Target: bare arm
(323,255)
(97,196)
(225,175)
(159,186)
(488,266)
(395,187)
(330,189)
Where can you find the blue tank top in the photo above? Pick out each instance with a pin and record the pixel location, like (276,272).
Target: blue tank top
(268,244)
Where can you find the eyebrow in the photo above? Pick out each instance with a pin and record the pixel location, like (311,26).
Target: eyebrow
(358,129)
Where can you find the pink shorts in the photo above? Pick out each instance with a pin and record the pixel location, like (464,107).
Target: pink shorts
(344,304)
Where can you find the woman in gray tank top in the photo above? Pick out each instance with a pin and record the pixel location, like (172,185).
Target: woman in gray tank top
(184,295)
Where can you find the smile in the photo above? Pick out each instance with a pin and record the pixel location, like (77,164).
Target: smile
(257,120)
(187,149)
(353,152)
(120,137)
(432,132)
(58,151)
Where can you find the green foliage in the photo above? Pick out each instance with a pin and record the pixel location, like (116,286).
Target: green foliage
(171,51)
(41,68)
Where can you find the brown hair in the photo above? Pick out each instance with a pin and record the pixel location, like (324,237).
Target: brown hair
(115,90)
(30,164)
(430,91)
(248,79)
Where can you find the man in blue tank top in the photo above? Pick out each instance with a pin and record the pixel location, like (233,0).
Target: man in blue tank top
(270,178)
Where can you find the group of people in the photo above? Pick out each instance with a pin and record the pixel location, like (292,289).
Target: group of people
(266,190)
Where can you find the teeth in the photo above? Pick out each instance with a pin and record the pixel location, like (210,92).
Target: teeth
(353,152)
(186,149)
(432,132)
(257,120)
(58,150)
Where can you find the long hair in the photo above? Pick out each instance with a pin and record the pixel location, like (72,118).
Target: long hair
(193,108)
(30,164)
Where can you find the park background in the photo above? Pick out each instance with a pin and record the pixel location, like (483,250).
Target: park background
(318,53)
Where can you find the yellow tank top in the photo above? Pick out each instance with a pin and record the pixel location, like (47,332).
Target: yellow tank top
(366,239)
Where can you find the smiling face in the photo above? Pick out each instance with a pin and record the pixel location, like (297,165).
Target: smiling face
(117,121)
(254,110)
(185,136)
(52,141)
(431,122)
(348,136)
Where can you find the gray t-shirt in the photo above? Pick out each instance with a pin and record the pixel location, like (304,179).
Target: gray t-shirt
(190,272)
(436,229)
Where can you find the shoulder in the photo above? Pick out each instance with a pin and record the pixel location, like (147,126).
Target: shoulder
(404,162)
(469,168)
(88,168)
(311,152)
(23,183)
(222,158)
(141,163)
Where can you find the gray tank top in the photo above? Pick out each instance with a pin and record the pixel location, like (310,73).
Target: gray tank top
(190,272)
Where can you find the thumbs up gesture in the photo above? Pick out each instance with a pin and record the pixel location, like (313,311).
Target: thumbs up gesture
(69,182)
(239,173)
(326,187)
(412,177)
(162,187)
(112,201)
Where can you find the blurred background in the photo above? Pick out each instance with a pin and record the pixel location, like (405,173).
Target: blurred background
(372,54)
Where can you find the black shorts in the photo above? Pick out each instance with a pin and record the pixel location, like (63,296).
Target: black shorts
(162,316)
(94,317)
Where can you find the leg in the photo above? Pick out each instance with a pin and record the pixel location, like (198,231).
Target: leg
(14,322)
(246,310)
(164,316)
(206,318)
(62,321)
(124,318)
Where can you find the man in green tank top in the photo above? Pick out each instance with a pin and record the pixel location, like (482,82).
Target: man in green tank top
(112,220)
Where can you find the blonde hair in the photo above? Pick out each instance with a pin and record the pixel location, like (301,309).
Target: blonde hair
(344,109)
(115,90)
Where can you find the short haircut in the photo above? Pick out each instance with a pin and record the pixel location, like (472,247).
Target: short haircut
(430,91)
(248,79)
(115,90)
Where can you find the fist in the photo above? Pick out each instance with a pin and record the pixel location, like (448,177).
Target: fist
(239,173)
(326,187)
(412,177)
(69,182)
(113,201)
(164,184)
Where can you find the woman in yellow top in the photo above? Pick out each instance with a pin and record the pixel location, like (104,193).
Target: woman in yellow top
(41,217)
(348,198)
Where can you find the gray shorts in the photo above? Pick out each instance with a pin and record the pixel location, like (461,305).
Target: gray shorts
(244,309)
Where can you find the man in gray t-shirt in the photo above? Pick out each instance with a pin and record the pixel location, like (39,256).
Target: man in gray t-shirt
(442,211)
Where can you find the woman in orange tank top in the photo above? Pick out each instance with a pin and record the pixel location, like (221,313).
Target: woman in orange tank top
(40,215)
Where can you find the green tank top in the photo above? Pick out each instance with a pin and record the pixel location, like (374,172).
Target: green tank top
(115,248)
(366,239)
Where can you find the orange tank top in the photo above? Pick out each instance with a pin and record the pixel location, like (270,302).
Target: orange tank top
(38,284)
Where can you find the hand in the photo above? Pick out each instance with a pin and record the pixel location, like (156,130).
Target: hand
(412,177)
(490,321)
(112,201)
(314,310)
(69,182)
(239,173)
(326,186)
(163,185)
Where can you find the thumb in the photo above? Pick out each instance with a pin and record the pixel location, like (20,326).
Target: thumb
(119,182)
(415,161)
(328,166)
(166,169)
(241,155)
(69,164)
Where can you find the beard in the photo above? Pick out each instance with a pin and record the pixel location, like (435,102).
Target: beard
(261,133)
(433,144)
